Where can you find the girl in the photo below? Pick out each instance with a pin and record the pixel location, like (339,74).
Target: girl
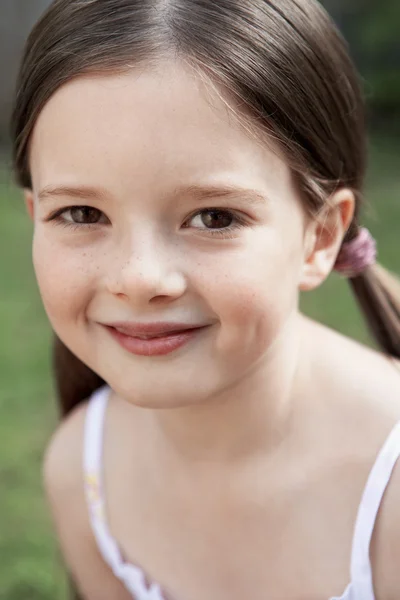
(191,166)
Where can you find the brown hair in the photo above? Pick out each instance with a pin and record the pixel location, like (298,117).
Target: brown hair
(284,63)
(282,60)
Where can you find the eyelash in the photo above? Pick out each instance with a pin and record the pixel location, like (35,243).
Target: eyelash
(226,232)
(58,219)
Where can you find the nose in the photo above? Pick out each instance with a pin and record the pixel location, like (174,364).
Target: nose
(147,273)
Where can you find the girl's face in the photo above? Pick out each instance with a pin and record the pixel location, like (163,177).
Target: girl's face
(153,205)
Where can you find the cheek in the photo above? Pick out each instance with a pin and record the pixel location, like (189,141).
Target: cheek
(254,294)
(63,278)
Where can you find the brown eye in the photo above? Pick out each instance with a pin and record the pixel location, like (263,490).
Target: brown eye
(213,219)
(85,215)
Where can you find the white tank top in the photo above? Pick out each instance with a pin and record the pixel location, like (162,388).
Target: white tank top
(360,586)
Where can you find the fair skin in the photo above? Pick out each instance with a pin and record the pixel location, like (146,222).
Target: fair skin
(239,456)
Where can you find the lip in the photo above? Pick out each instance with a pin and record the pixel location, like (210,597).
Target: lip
(163,339)
(150,329)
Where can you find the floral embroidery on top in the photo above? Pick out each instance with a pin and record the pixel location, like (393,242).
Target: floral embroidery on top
(96,504)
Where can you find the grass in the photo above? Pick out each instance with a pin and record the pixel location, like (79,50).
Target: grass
(29,563)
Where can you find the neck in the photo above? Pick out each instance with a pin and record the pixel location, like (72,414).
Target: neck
(249,419)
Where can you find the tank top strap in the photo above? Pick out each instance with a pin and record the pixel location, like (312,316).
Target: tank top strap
(93,477)
(361,570)
(131,576)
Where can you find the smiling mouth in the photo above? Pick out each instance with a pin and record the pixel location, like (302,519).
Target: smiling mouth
(150,331)
(157,343)
(158,335)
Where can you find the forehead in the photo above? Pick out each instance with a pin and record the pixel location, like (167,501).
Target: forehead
(147,127)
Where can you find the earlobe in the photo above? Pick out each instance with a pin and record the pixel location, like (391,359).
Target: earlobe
(325,235)
(29,203)
(314,269)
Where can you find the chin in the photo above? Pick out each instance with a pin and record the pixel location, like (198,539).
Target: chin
(159,394)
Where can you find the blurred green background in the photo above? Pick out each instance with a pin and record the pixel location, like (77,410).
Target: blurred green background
(29,563)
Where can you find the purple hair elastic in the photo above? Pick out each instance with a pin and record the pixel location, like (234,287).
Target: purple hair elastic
(358,254)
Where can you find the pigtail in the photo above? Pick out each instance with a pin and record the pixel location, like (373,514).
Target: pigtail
(74,380)
(377,292)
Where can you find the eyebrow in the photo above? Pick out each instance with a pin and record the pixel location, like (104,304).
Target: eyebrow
(205,192)
(81,192)
(196,192)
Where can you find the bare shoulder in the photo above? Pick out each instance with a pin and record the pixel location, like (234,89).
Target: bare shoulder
(64,487)
(64,454)
(364,401)
(366,379)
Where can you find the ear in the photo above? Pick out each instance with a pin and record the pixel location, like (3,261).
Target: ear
(324,237)
(29,203)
